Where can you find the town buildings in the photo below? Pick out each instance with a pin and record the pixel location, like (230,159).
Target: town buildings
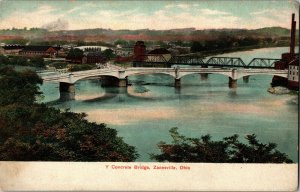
(12,49)
(40,51)
(82,57)
(289,61)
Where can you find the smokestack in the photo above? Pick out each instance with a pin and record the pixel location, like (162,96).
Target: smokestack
(293,34)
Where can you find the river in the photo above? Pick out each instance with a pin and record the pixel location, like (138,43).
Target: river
(144,112)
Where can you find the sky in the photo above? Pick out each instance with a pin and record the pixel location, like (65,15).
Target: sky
(112,14)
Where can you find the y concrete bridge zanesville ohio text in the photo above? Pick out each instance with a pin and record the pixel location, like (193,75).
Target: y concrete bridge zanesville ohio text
(117,76)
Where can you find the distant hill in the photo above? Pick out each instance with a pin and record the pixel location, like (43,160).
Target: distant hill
(271,31)
(109,35)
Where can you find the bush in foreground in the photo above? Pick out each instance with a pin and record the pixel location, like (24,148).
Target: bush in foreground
(228,150)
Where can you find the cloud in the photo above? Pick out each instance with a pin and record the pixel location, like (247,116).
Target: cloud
(59,24)
(175,15)
(213,12)
(271,17)
(184,6)
(37,18)
(44,9)
(73,10)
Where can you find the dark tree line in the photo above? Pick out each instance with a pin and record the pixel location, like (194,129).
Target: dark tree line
(228,150)
(22,61)
(227,42)
(78,53)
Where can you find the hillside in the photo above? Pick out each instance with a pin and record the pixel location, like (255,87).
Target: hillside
(109,35)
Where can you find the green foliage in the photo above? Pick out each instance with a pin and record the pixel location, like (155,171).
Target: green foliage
(124,43)
(4,60)
(22,61)
(108,53)
(75,53)
(228,150)
(59,65)
(80,43)
(15,41)
(63,136)
(37,62)
(224,42)
(35,132)
(17,60)
(18,87)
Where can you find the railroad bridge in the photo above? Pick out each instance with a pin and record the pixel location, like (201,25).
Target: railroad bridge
(120,75)
(196,60)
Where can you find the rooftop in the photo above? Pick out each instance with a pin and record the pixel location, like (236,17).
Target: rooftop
(159,51)
(36,48)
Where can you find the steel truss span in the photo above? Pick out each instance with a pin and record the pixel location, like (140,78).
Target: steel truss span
(264,63)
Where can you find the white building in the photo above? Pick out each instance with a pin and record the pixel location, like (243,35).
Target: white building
(91,48)
(293,75)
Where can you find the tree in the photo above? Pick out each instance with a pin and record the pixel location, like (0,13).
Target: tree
(4,60)
(108,53)
(38,62)
(121,42)
(35,132)
(18,87)
(17,60)
(75,53)
(80,43)
(196,47)
(228,150)
(16,41)
(63,136)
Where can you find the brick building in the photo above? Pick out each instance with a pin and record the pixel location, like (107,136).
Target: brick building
(39,51)
(12,49)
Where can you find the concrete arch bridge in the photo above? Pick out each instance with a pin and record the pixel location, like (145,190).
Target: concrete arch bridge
(67,80)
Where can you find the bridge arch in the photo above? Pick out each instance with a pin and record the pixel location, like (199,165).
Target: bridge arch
(129,74)
(74,77)
(184,74)
(241,75)
(74,80)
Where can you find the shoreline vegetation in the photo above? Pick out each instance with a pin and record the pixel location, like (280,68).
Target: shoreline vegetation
(227,150)
(36,132)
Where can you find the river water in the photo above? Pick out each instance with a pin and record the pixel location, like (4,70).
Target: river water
(144,112)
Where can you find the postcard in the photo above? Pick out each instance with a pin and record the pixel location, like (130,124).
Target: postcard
(155,95)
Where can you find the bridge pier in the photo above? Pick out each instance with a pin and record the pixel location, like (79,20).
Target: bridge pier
(67,91)
(123,82)
(177,83)
(122,94)
(246,79)
(107,81)
(232,83)
(204,76)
